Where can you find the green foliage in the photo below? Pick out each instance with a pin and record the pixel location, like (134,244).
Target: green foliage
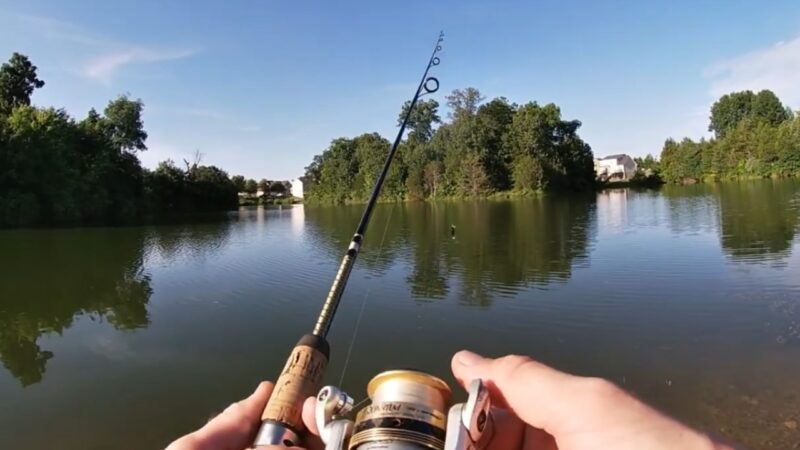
(756,137)
(124,124)
(484,148)
(731,109)
(17,81)
(279,187)
(55,170)
(528,174)
(421,120)
(239,182)
(648,163)
(251,186)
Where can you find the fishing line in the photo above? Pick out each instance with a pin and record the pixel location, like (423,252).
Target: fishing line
(364,300)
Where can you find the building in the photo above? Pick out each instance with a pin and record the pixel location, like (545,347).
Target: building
(297,188)
(615,167)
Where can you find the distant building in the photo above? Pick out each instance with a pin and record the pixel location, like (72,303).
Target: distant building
(297,188)
(615,167)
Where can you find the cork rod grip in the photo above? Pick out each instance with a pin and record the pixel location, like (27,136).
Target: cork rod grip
(301,378)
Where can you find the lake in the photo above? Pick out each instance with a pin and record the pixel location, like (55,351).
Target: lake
(129,337)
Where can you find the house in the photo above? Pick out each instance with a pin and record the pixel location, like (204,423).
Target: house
(297,188)
(615,167)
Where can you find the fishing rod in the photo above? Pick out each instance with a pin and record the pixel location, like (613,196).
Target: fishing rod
(407,406)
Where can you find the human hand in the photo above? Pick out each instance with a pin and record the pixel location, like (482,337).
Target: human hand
(236,427)
(544,409)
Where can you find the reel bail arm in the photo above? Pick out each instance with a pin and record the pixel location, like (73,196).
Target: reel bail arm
(470,425)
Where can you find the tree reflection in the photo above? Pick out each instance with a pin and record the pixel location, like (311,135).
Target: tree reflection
(759,219)
(503,246)
(52,276)
(49,278)
(498,248)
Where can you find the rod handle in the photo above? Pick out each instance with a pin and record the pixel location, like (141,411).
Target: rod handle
(301,378)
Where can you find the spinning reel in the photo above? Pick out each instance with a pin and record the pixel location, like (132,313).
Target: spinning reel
(406,412)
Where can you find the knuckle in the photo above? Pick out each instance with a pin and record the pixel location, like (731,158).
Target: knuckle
(600,387)
(232,408)
(510,364)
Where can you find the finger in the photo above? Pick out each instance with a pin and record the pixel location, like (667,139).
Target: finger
(309,415)
(507,430)
(540,395)
(237,425)
(312,439)
(536,439)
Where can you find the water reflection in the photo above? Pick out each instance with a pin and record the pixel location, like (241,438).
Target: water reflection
(499,247)
(50,277)
(691,209)
(758,219)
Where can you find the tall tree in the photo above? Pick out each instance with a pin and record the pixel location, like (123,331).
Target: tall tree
(18,80)
(124,119)
(278,187)
(239,182)
(492,122)
(250,186)
(769,109)
(464,101)
(421,120)
(731,109)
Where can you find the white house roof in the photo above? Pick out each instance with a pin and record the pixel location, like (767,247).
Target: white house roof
(621,155)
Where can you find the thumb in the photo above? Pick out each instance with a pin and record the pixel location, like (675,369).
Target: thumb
(534,392)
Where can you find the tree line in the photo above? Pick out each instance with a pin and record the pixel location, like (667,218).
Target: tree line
(755,135)
(55,169)
(482,149)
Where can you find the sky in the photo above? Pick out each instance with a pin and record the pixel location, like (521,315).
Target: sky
(260,87)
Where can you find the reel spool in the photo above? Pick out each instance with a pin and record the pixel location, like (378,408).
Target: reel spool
(407,412)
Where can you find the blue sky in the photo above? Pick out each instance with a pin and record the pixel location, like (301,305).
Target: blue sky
(259,87)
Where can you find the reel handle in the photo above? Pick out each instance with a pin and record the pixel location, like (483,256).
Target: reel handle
(282,419)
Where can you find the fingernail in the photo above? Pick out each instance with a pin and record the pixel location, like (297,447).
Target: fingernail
(468,358)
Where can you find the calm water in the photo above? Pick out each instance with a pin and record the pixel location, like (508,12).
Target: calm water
(129,337)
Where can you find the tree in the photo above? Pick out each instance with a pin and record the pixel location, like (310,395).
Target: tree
(278,187)
(239,182)
(474,180)
(124,119)
(647,163)
(432,176)
(472,154)
(731,109)
(421,120)
(464,101)
(492,122)
(263,186)
(528,174)
(538,131)
(18,80)
(250,186)
(370,151)
(769,109)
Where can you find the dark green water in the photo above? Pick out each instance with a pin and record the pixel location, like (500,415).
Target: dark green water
(129,337)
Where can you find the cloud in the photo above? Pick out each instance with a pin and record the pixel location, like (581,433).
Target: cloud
(102,56)
(776,68)
(55,29)
(104,67)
